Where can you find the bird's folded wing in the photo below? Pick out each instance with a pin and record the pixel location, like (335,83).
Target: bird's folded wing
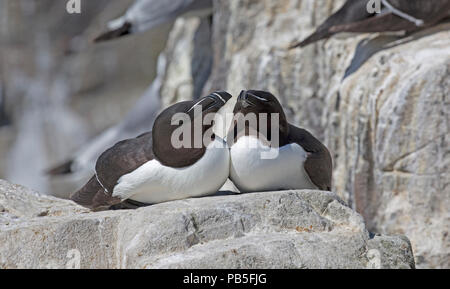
(318,165)
(385,22)
(123,158)
(146,11)
(147,14)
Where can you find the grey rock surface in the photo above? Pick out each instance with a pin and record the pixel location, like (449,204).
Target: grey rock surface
(287,229)
(188,54)
(393,140)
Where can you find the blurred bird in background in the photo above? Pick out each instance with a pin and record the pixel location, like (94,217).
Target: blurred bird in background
(147,14)
(138,120)
(396,15)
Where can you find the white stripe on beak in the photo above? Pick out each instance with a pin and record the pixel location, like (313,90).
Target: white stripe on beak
(198,103)
(257,97)
(221,98)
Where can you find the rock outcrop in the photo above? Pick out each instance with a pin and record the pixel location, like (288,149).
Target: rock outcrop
(380,104)
(393,140)
(288,229)
(189,60)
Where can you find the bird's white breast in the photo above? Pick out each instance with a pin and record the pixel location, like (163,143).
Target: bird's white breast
(155,183)
(251,171)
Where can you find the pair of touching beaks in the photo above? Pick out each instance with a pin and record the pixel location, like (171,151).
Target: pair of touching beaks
(247,101)
(243,96)
(257,99)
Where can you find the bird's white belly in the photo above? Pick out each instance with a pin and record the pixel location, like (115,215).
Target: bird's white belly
(250,172)
(155,183)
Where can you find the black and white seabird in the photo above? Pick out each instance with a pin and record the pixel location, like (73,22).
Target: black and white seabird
(150,169)
(147,14)
(395,16)
(302,161)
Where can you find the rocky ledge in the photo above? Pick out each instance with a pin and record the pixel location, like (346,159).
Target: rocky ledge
(287,229)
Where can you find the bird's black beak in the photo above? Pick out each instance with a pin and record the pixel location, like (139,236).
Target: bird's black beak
(221,96)
(243,99)
(215,101)
(242,96)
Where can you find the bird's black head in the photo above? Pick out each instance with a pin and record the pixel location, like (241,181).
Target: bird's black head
(194,109)
(257,101)
(257,104)
(178,131)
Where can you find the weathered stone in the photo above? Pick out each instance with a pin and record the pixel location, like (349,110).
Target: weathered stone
(23,203)
(288,229)
(393,141)
(189,60)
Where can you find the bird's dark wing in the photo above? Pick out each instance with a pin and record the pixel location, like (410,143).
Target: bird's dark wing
(121,159)
(318,165)
(93,196)
(353,17)
(351,11)
(430,12)
(383,23)
(147,14)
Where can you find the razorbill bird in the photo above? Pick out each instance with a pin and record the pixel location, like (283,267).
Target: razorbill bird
(301,161)
(396,15)
(152,168)
(147,14)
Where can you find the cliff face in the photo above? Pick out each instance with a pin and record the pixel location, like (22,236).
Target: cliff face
(293,229)
(380,104)
(393,139)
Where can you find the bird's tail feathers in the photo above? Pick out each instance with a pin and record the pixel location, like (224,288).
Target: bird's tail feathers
(94,196)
